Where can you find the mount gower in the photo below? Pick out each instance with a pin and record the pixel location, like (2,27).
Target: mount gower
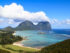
(28,25)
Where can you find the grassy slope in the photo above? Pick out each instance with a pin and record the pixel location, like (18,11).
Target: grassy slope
(17,49)
(62,47)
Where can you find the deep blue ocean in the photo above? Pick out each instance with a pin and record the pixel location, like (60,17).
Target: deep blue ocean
(43,38)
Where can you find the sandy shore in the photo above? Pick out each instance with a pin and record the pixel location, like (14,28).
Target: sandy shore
(18,43)
(22,45)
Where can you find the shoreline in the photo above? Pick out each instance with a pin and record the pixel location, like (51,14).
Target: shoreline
(22,45)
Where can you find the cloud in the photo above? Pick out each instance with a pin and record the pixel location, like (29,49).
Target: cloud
(1,20)
(8,22)
(58,22)
(11,21)
(67,21)
(17,12)
(54,21)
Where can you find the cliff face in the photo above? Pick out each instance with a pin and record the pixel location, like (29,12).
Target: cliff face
(27,25)
(44,26)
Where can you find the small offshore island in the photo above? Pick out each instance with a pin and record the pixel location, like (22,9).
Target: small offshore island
(10,43)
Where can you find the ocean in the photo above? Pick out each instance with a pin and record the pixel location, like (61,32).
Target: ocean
(40,39)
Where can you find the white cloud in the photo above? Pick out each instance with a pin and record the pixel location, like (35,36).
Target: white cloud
(54,21)
(8,22)
(1,20)
(67,21)
(58,22)
(15,11)
(11,21)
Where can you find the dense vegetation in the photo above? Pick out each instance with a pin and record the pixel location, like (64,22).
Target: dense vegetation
(8,38)
(62,47)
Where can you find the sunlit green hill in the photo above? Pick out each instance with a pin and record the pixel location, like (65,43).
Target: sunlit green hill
(16,49)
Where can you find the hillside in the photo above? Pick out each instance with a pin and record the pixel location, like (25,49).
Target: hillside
(62,47)
(16,49)
(9,28)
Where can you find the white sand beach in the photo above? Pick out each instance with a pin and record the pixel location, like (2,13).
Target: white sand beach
(22,45)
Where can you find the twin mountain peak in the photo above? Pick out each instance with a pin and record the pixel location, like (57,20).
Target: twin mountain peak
(28,25)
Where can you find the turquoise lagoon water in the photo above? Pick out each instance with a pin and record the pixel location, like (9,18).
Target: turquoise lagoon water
(35,39)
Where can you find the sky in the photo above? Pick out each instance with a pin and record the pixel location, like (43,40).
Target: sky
(57,12)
